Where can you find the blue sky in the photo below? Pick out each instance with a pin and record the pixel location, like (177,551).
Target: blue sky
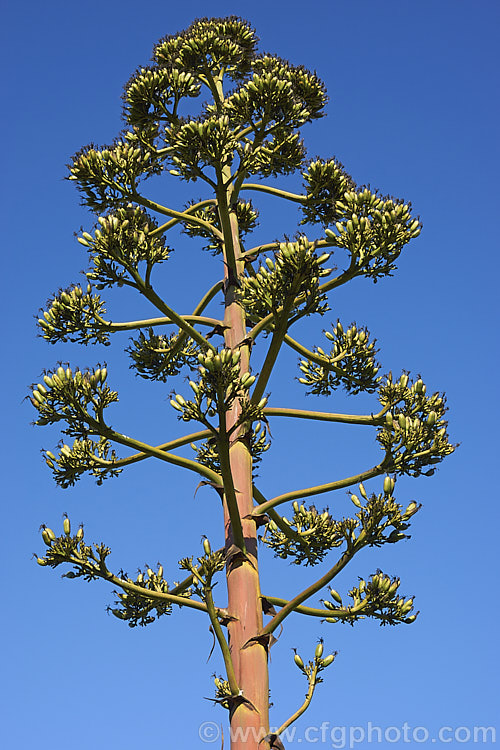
(413,107)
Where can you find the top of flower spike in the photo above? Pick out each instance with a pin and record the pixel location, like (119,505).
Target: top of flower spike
(209,44)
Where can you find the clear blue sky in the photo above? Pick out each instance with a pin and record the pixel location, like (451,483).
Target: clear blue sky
(413,111)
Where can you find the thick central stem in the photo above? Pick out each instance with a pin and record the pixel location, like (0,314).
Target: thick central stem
(249,720)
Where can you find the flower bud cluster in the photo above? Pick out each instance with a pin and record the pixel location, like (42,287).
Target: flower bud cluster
(282,152)
(326,183)
(197,145)
(95,457)
(205,568)
(109,176)
(373,230)
(380,518)
(378,597)
(88,562)
(136,608)
(414,434)
(158,357)
(72,315)
(289,94)
(154,93)
(259,443)
(295,273)
(77,398)
(223,693)
(219,386)
(246,216)
(124,239)
(208,454)
(312,668)
(350,363)
(317,532)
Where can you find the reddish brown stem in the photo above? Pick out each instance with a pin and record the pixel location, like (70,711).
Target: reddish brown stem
(250,717)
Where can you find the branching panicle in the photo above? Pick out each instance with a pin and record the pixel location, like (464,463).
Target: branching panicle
(251,127)
(312,671)
(147,594)
(315,534)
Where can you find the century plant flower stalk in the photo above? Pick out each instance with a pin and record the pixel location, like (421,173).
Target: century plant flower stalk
(249,128)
